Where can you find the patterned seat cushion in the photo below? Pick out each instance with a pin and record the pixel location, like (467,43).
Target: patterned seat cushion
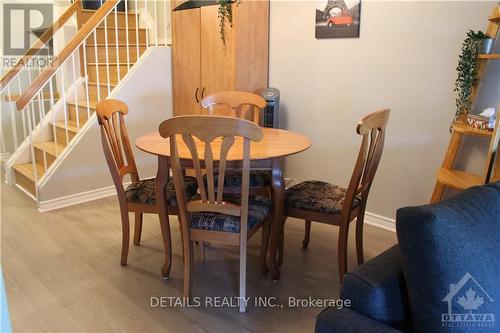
(144,191)
(258,210)
(232,178)
(317,196)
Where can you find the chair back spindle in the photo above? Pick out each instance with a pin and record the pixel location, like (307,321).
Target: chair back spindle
(116,145)
(197,133)
(372,128)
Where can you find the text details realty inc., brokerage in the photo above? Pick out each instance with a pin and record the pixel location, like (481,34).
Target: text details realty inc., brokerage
(234,302)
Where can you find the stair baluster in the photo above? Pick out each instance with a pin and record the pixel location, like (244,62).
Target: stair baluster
(126,36)
(41,111)
(40,96)
(25,134)
(86,78)
(12,122)
(75,91)
(54,134)
(116,47)
(47,103)
(65,106)
(32,151)
(107,53)
(156,20)
(137,31)
(97,67)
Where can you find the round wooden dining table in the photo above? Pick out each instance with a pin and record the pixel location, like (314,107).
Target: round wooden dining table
(267,154)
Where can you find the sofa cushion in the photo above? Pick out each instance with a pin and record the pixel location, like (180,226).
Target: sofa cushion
(451,258)
(377,289)
(143,191)
(317,196)
(258,210)
(346,320)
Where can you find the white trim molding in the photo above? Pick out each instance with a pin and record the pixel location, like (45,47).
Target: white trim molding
(380,221)
(77,198)
(372,219)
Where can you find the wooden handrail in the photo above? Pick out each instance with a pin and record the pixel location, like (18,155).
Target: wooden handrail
(41,42)
(68,50)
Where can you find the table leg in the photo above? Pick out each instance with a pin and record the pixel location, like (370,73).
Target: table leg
(162,177)
(278,185)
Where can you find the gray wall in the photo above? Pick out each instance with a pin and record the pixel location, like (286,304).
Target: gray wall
(405,59)
(147,92)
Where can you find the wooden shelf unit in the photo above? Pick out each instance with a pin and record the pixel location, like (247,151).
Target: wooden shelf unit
(490,56)
(447,175)
(495,18)
(462,127)
(458,179)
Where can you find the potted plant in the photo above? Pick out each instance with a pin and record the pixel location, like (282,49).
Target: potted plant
(467,71)
(225,12)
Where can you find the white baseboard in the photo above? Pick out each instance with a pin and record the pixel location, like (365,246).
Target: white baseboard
(78,198)
(372,219)
(380,221)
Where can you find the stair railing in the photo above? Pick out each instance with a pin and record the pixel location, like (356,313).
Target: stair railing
(20,77)
(91,58)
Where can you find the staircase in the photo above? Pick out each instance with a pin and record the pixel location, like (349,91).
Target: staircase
(59,104)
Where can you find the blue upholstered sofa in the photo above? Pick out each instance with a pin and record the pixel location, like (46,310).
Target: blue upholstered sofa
(443,276)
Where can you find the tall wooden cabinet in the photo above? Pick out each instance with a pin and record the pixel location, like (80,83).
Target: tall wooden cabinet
(201,65)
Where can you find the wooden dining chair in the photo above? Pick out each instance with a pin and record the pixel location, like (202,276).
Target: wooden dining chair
(243,105)
(215,217)
(331,204)
(238,104)
(138,197)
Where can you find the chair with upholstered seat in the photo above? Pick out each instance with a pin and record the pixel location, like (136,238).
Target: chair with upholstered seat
(239,104)
(216,217)
(139,197)
(242,105)
(331,204)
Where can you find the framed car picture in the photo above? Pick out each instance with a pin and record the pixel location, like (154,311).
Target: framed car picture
(338,18)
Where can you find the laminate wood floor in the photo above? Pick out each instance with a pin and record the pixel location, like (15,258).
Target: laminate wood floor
(62,274)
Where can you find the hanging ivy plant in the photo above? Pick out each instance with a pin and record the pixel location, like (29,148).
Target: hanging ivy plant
(467,71)
(225,12)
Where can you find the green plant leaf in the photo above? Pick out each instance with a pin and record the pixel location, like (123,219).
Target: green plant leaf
(467,71)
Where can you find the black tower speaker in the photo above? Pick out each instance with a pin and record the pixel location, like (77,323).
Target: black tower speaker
(271,114)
